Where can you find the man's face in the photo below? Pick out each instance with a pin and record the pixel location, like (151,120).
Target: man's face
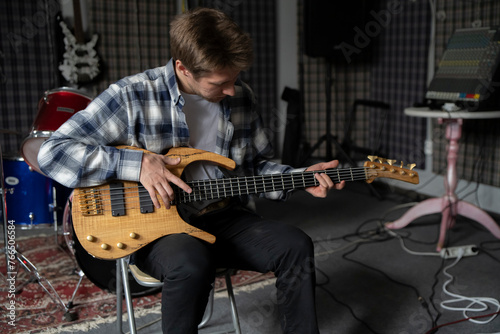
(213,87)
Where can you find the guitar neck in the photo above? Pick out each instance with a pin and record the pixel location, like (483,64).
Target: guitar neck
(247,185)
(77,13)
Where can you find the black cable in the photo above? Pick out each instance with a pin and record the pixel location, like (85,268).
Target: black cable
(349,308)
(373,235)
(331,294)
(482,244)
(411,287)
(487,251)
(431,297)
(327,278)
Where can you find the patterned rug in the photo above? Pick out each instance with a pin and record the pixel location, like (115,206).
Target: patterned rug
(37,308)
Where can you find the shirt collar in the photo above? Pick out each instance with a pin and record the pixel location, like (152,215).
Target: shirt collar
(172,86)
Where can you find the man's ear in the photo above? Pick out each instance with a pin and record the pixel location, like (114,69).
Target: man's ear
(181,68)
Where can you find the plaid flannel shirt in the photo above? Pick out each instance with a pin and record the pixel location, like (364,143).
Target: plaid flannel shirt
(145,111)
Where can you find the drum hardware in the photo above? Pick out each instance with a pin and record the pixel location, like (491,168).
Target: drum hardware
(80,273)
(46,286)
(15,259)
(8,191)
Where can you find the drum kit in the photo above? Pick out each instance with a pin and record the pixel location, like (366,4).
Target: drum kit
(31,200)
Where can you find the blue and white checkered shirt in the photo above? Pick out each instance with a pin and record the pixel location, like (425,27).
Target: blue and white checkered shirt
(145,111)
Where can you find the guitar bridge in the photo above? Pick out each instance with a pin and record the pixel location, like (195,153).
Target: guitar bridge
(91,202)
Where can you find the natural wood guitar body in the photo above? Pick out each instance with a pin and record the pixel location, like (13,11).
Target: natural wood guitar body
(111,237)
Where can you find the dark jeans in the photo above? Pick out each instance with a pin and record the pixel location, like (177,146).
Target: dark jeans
(186,265)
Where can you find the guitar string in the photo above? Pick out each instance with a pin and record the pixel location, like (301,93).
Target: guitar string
(286,180)
(104,196)
(211,185)
(286,183)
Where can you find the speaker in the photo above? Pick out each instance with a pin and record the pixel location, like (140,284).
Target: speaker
(337,29)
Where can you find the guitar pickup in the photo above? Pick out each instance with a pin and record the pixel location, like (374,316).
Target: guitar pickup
(145,201)
(117,199)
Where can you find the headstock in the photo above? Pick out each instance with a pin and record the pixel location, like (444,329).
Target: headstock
(387,168)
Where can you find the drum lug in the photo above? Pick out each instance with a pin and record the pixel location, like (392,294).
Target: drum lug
(7,191)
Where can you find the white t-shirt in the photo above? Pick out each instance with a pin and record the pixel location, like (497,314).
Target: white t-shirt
(202,118)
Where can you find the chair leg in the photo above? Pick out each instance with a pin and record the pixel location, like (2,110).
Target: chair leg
(119,297)
(208,312)
(232,301)
(128,296)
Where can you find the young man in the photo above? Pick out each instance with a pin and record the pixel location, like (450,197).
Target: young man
(196,100)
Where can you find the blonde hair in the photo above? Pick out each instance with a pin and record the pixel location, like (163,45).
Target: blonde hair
(206,39)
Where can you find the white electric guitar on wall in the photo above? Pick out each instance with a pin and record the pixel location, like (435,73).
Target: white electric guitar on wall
(81,62)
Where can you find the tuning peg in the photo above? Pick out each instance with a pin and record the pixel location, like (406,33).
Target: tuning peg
(372,157)
(401,166)
(391,161)
(381,160)
(411,166)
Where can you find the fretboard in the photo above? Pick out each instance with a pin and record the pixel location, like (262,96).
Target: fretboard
(247,185)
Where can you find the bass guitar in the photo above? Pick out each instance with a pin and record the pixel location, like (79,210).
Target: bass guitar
(118,218)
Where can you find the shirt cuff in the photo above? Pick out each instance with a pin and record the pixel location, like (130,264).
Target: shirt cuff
(129,168)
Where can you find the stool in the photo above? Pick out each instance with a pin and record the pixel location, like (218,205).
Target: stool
(122,270)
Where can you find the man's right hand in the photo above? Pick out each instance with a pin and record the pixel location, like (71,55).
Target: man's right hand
(156,178)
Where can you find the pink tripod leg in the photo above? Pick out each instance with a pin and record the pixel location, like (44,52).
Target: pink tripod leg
(471,211)
(427,207)
(448,219)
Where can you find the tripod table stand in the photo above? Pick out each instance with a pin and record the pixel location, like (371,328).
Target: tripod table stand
(449,204)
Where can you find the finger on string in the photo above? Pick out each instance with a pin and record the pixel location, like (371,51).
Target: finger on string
(152,194)
(321,179)
(180,183)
